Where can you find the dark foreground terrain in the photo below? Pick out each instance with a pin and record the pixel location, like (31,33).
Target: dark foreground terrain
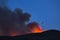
(47,35)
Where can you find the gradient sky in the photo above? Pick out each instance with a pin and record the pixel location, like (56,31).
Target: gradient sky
(45,12)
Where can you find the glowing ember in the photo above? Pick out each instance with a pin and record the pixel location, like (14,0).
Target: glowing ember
(34,27)
(13,34)
(36,30)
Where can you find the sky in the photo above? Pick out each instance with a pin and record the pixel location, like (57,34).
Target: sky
(45,12)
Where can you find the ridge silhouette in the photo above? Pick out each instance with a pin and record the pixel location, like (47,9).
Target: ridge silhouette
(46,35)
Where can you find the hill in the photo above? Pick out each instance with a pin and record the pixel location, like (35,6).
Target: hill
(46,35)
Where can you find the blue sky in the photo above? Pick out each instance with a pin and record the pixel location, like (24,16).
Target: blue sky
(47,11)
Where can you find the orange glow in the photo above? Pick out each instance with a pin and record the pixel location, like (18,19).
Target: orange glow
(34,27)
(13,34)
(36,30)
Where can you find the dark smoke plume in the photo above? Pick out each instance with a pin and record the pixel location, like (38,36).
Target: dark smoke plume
(5,19)
(13,20)
(32,25)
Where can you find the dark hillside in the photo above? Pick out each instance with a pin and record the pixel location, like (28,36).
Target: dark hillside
(47,35)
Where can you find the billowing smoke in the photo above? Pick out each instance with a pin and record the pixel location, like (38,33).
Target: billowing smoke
(5,20)
(34,27)
(12,23)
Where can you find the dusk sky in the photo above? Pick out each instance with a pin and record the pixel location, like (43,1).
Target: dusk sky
(45,12)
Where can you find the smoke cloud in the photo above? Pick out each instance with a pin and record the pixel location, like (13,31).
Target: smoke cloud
(13,22)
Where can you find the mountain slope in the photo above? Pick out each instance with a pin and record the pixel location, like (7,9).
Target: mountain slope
(46,35)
